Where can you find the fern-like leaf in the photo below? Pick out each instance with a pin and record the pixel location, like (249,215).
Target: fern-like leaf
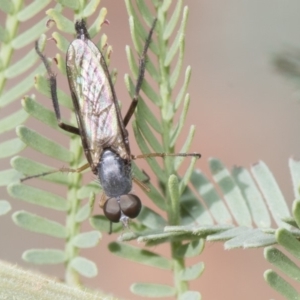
(76,213)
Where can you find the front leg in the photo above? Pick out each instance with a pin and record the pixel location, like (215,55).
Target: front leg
(53,89)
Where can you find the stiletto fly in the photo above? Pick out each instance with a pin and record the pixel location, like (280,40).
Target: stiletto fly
(100,124)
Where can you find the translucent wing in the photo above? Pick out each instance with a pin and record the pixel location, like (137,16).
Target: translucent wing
(93,100)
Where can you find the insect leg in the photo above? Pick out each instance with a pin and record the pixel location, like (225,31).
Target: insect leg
(141,74)
(78,170)
(102,200)
(110,227)
(141,184)
(148,155)
(147,179)
(63,169)
(52,83)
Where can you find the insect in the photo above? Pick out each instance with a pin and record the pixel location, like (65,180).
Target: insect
(100,124)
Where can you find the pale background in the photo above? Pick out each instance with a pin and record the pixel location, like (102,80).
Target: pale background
(244,111)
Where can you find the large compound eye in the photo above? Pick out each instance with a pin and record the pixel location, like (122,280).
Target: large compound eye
(112,210)
(130,205)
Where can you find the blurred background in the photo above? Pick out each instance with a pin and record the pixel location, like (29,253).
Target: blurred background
(244,111)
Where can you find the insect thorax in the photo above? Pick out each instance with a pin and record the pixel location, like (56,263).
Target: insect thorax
(114,174)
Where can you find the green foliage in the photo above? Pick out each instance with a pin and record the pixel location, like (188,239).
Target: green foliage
(16,283)
(5,207)
(44,256)
(13,43)
(153,290)
(280,261)
(139,255)
(253,198)
(84,266)
(38,224)
(75,211)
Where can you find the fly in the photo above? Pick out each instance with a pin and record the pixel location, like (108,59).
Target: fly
(100,124)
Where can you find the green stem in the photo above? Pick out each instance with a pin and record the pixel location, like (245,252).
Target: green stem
(167,122)
(178,267)
(72,277)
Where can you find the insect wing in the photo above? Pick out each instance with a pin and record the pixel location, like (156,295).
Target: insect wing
(93,100)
